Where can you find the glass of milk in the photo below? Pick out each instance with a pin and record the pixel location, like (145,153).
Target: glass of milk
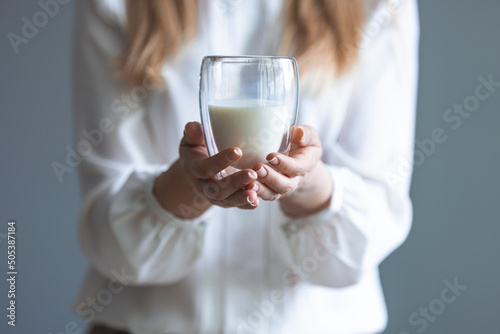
(249,102)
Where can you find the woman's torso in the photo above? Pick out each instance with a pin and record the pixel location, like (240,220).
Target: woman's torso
(238,284)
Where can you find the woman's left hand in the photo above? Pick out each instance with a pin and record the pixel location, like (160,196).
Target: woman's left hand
(300,180)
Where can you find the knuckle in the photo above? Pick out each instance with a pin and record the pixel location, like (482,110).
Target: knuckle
(272,178)
(301,171)
(202,170)
(286,190)
(271,197)
(242,177)
(212,191)
(218,196)
(225,182)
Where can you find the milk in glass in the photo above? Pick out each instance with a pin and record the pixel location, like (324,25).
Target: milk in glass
(257,127)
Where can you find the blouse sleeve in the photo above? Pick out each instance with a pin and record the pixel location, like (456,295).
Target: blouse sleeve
(370,211)
(122,226)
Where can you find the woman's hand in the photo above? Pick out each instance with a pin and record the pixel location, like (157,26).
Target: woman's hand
(300,180)
(190,186)
(202,171)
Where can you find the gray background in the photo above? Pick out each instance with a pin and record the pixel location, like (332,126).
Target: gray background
(455,191)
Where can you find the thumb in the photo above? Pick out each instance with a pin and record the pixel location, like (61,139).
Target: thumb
(193,134)
(305,135)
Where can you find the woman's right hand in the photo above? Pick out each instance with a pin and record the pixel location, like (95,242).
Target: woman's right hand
(235,190)
(190,186)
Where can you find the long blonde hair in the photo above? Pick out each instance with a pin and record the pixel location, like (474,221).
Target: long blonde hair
(318,33)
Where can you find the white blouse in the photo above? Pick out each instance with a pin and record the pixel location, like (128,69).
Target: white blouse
(235,271)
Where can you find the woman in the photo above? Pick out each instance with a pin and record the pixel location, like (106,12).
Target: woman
(292,246)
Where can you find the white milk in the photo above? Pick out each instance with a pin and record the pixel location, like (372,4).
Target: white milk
(257,127)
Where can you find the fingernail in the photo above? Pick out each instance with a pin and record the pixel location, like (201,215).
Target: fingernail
(251,176)
(252,186)
(303,137)
(255,187)
(188,126)
(234,154)
(249,200)
(262,172)
(274,161)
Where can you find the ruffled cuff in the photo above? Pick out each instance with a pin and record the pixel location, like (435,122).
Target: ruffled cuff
(294,226)
(335,230)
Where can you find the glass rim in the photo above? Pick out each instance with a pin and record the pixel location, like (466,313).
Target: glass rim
(247,58)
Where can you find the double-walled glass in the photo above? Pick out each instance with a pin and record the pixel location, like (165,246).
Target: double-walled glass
(250,103)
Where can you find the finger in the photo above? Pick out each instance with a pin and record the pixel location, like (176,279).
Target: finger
(303,156)
(206,168)
(305,135)
(253,206)
(242,198)
(298,164)
(220,190)
(264,192)
(193,134)
(196,160)
(192,147)
(276,181)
